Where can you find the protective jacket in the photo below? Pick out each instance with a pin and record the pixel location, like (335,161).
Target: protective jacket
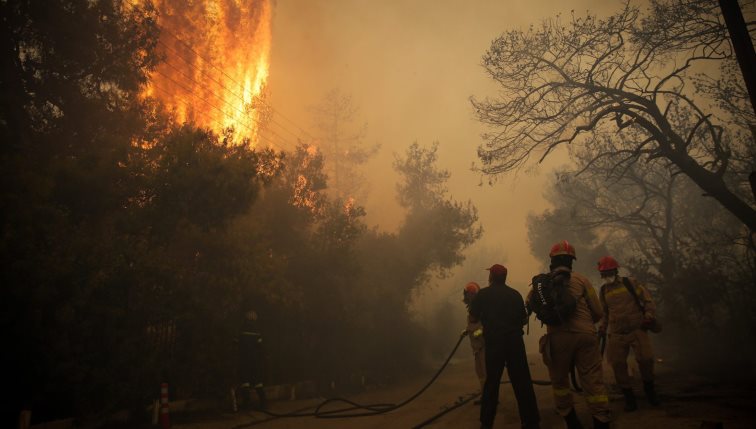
(476,340)
(624,317)
(622,314)
(588,310)
(574,343)
(477,343)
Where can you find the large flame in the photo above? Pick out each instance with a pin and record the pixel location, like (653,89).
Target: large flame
(216,62)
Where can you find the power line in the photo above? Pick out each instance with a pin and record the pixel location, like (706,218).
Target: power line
(215,122)
(229,77)
(218,97)
(187,62)
(170,33)
(292,122)
(215,107)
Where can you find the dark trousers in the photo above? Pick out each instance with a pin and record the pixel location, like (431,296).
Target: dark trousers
(508,351)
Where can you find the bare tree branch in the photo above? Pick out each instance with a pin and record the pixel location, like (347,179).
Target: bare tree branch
(560,81)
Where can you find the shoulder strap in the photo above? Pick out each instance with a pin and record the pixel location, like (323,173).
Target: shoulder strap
(631,289)
(602,293)
(584,295)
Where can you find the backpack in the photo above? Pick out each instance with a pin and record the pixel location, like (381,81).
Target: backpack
(551,299)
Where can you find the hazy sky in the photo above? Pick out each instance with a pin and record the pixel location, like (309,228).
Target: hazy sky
(411,66)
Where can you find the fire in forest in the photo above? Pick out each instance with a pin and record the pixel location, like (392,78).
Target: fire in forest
(216,63)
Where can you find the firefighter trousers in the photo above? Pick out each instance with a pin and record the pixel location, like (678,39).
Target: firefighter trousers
(617,350)
(478,346)
(562,350)
(480,366)
(508,351)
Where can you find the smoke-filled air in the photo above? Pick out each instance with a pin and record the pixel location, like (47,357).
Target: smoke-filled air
(378,214)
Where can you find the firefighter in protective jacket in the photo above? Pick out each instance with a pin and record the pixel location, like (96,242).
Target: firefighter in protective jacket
(251,361)
(574,342)
(474,331)
(629,312)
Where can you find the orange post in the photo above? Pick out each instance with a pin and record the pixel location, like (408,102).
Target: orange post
(165,421)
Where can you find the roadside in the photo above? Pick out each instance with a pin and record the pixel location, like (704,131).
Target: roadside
(688,399)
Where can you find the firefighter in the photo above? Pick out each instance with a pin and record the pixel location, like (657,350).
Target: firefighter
(629,312)
(501,311)
(474,331)
(251,360)
(575,343)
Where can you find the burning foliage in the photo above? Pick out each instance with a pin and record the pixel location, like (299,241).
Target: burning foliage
(135,242)
(216,63)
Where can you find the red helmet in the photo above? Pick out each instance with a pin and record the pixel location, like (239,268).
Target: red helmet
(472,288)
(562,248)
(607,263)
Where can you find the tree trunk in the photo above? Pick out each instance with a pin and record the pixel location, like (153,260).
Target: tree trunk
(715,187)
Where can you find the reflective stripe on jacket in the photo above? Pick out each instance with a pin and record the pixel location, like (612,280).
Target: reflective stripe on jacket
(624,314)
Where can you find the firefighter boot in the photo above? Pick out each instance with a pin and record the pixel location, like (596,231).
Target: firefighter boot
(648,387)
(598,424)
(572,420)
(630,403)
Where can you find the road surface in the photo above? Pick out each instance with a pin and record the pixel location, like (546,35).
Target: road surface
(688,400)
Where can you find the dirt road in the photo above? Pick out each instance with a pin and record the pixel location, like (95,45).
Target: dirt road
(688,400)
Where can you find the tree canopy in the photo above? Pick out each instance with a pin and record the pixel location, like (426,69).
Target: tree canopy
(342,141)
(663,75)
(133,245)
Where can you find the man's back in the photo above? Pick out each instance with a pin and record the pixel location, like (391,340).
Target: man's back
(588,310)
(501,310)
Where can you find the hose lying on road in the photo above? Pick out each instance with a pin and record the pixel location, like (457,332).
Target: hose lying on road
(461,401)
(371,409)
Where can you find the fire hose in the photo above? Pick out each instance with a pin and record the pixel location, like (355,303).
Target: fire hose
(371,409)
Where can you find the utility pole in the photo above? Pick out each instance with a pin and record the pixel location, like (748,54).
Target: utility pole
(743,46)
(741,43)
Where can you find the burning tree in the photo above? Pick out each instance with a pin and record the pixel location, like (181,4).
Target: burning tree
(636,72)
(212,76)
(133,245)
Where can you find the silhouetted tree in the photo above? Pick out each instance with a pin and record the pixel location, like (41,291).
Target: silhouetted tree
(132,245)
(688,249)
(70,115)
(567,83)
(341,139)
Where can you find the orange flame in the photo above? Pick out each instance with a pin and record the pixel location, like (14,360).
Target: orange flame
(216,66)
